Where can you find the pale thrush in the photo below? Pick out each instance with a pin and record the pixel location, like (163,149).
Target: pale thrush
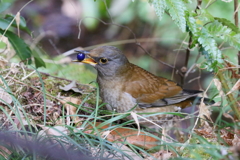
(124,85)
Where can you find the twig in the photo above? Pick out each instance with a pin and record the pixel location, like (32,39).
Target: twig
(126,41)
(175,61)
(188,51)
(184,69)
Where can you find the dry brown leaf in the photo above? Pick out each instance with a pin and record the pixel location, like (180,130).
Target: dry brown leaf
(127,150)
(218,84)
(129,135)
(3,63)
(5,152)
(5,97)
(23,122)
(55,130)
(58,121)
(204,111)
(15,68)
(71,110)
(163,155)
(236,152)
(134,115)
(228,116)
(236,140)
(227,136)
(7,49)
(235,87)
(206,131)
(18,19)
(71,86)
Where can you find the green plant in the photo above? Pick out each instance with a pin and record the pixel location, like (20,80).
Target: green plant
(9,23)
(206,32)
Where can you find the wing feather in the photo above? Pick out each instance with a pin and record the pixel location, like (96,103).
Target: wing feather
(148,88)
(152,91)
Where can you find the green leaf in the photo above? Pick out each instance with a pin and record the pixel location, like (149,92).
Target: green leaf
(194,42)
(2,45)
(22,25)
(192,25)
(210,50)
(21,48)
(159,7)
(204,16)
(5,4)
(234,41)
(227,23)
(187,1)
(177,12)
(217,29)
(3,24)
(38,60)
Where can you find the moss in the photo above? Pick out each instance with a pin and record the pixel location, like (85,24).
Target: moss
(202,149)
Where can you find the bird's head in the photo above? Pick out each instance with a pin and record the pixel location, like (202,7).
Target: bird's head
(107,60)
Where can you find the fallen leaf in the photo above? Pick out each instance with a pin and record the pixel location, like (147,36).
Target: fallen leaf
(134,115)
(218,84)
(206,131)
(126,150)
(163,155)
(5,97)
(236,141)
(71,86)
(71,110)
(3,63)
(7,49)
(227,115)
(204,111)
(5,152)
(235,87)
(126,134)
(55,130)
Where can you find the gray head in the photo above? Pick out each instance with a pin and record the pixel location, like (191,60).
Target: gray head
(108,60)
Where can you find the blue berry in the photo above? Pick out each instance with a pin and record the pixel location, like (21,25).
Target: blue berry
(80,56)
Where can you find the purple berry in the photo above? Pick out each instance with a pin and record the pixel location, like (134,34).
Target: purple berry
(80,56)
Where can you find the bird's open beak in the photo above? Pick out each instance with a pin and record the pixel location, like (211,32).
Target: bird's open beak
(90,61)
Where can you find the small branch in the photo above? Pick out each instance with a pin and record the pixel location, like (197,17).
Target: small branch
(184,69)
(188,51)
(199,3)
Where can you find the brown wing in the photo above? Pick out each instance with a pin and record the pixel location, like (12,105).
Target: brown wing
(147,88)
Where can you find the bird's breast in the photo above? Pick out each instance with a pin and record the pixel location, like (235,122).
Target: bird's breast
(112,94)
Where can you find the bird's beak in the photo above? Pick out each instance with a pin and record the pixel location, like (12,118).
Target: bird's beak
(89,60)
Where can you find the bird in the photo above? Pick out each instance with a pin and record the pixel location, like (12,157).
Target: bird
(127,87)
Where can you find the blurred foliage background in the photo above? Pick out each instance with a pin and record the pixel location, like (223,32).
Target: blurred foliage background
(55,28)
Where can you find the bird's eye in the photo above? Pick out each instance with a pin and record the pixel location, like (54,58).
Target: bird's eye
(103,60)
